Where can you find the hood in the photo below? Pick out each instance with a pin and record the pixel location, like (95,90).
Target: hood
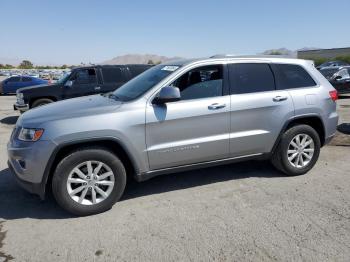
(67,109)
(23,89)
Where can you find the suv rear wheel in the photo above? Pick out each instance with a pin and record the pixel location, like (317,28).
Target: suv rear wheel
(298,150)
(89,181)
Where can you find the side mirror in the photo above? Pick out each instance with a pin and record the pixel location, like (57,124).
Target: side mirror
(167,94)
(69,83)
(337,78)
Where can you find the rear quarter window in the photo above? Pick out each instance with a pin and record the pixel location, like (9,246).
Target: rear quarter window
(292,76)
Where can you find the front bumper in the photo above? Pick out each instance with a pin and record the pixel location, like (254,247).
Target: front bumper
(33,188)
(28,161)
(21,107)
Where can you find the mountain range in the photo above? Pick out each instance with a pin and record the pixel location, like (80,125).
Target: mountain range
(139,59)
(148,58)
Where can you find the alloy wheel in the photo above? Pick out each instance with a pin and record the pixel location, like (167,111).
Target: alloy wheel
(300,150)
(90,182)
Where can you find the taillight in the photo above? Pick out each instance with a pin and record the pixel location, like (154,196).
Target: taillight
(334,95)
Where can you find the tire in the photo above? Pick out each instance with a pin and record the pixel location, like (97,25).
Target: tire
(283,159)
(41,102)
(64,171)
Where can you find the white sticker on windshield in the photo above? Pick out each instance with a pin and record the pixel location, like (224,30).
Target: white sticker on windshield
(170,68)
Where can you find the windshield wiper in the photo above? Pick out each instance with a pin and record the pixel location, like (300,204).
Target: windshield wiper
(111,96)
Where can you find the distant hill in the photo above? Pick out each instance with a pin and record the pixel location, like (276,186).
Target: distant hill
(138,59)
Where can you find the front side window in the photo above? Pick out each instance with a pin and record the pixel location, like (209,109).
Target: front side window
(85,76)
(251,77)
(292,76)
(202,82)
(14,79)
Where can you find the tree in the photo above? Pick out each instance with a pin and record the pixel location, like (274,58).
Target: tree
(64,66)
(150,62)
(26,64)
(7,66)
(275,53)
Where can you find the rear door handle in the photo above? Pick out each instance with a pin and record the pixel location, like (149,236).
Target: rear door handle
(279,98)
(97,88)
(216,106)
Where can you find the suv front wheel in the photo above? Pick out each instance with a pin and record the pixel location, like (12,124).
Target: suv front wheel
(89,181)
(298,150)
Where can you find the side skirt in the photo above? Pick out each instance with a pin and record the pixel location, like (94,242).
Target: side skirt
(150,174)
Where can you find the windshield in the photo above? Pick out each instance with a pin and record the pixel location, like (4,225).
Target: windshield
(143,82)
(64,78)
(328,72)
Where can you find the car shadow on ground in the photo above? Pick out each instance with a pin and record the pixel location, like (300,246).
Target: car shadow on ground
(344,128)
(15,203)
(10,120)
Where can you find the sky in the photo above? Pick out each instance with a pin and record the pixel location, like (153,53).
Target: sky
(71,32)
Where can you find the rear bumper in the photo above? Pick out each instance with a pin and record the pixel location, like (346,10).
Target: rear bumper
(21,107)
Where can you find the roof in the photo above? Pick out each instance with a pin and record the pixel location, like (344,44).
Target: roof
(267,58)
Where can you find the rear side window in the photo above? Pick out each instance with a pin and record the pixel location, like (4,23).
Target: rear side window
(136,70)
(250,78)
(26,79)
(292,76)
(112,75)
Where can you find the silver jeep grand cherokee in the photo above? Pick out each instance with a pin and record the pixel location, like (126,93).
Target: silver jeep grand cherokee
(173,117)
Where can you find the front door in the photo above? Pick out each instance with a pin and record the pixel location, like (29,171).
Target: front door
(195,129)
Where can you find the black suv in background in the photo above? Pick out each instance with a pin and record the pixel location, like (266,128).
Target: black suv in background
(82,81)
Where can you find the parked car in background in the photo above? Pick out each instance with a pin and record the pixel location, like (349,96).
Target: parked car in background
(341,80)
(80,81)
(329,71)
(332,64)
(174,117)
(12,84)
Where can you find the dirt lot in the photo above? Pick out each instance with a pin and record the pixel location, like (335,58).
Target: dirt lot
(244,211)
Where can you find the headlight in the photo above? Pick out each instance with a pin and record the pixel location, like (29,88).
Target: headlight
(19,97)
(30,134)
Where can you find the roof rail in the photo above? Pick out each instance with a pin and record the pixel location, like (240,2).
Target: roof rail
(249,56)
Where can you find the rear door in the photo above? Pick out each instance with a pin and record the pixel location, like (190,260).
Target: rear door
(84,83)
(12,84)
(113,77)
(258,110)
(195,129)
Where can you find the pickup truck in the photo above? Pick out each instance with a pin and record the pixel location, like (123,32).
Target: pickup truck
(81,81)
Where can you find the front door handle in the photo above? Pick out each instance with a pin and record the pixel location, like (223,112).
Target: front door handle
(279,98)
(97,88)
(216,106)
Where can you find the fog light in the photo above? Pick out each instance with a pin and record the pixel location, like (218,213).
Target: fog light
(22,163)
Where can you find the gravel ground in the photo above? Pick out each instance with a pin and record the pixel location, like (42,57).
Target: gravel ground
(245,211)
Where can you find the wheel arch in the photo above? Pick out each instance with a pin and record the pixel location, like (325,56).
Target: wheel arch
(314,121)
(32,100)
(112,144)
